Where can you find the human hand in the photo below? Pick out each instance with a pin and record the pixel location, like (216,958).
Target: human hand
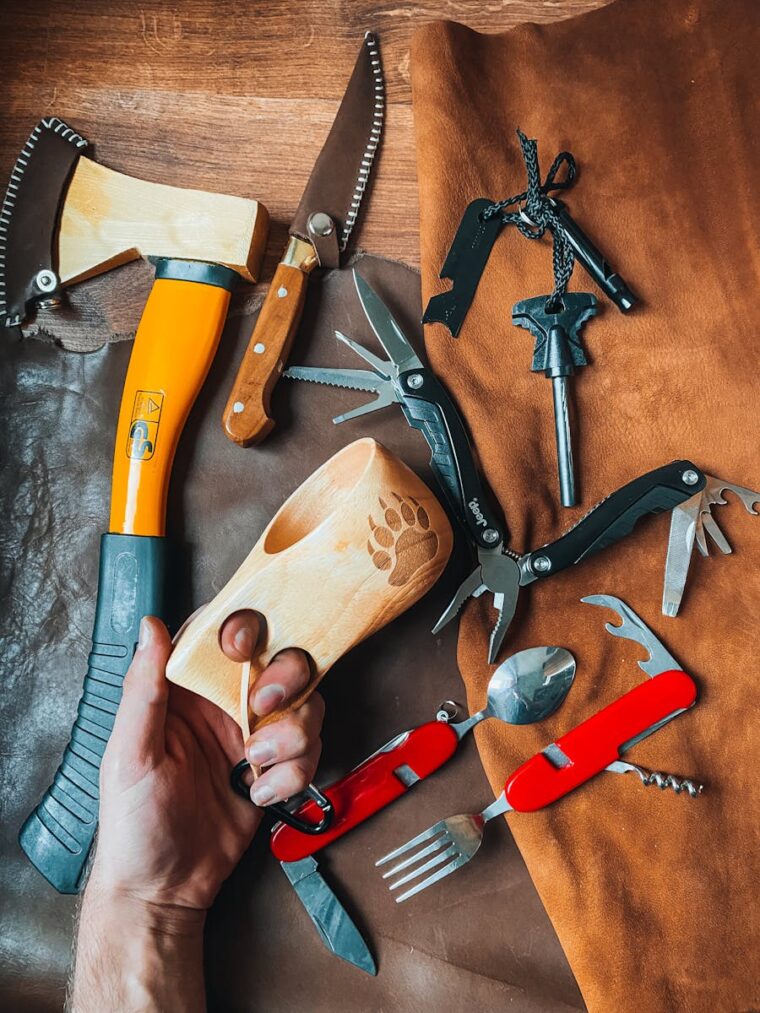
(171,828)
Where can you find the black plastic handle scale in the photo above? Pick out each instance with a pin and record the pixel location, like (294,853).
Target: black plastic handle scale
(615,517)
(58,835)
(428,407)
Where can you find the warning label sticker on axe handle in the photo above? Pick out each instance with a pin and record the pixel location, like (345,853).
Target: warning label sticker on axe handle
(143,426)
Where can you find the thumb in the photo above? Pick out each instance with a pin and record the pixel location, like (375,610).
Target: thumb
(137,741)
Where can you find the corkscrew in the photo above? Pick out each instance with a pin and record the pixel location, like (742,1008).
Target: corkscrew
(658,778)
(659,663)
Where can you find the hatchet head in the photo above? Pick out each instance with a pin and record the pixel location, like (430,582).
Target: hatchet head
(65,218)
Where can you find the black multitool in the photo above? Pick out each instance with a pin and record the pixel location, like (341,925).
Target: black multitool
(405,380)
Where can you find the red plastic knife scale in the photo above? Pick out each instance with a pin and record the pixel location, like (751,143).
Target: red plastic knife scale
(368,788)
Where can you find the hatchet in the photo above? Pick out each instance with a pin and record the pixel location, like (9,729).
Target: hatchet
(66,218)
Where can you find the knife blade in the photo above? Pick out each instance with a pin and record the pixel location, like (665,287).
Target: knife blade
(319,232)
(335,928)
(683,527)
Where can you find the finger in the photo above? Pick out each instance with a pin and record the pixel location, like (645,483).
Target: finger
(283,678)
(239,634)
(284,780)
(137,739)
(290,737)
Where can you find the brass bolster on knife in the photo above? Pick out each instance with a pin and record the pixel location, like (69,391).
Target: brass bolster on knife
(301,254)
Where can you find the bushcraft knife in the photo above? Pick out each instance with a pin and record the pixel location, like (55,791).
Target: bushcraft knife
(319,233)
(406,380)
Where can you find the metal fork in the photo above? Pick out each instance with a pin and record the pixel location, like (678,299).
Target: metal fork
(454,841)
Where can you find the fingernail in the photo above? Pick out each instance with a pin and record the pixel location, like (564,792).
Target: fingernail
(244,642)
(263,795)
(267,698)
(261,752)
(146,633)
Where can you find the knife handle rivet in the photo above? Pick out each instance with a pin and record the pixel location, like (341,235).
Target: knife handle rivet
(491,536)
(281,292)
(690,477)
(321,224)
(259,348)
(238,407)
(415,381)
(542,564)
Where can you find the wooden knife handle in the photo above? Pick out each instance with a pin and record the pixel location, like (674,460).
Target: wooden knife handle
(246,418)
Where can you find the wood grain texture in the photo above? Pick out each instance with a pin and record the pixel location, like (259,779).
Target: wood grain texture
(110,218)
(360,541)
(247,415)
(232,98)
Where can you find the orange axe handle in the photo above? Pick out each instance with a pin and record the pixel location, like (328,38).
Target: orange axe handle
(174,346)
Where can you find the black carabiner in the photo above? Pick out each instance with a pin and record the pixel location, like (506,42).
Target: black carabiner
(281,810)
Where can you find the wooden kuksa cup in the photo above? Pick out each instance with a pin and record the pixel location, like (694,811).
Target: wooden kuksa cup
(358,543)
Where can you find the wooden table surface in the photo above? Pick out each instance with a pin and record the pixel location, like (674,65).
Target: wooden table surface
(228,97)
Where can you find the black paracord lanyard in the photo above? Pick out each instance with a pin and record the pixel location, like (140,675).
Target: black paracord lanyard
(538,212)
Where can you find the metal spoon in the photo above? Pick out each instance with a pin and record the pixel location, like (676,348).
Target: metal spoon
(525,688)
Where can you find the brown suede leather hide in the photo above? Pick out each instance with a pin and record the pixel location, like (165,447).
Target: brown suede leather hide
(654,897)
(486,942)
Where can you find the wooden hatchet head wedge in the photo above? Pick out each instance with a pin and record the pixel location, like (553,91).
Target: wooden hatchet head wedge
(66,218)
(358,543)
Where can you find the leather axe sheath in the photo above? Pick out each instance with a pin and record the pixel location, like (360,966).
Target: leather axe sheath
(66,218)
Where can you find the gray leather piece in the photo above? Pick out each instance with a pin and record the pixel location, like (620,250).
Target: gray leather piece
(479,940)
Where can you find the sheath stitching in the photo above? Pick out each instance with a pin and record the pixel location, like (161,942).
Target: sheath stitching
(9,202)
(365,166)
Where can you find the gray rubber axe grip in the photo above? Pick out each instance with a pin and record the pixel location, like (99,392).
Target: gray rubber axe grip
(58,835)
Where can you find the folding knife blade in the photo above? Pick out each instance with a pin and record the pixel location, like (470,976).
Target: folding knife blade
(683,529)
(691,523)
(335,928)
(342,169)
(387,331)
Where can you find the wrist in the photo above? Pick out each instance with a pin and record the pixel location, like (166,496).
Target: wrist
(108,903)
(106,906)
(134,953)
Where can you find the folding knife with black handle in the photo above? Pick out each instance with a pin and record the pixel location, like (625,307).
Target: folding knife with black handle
(406,380)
